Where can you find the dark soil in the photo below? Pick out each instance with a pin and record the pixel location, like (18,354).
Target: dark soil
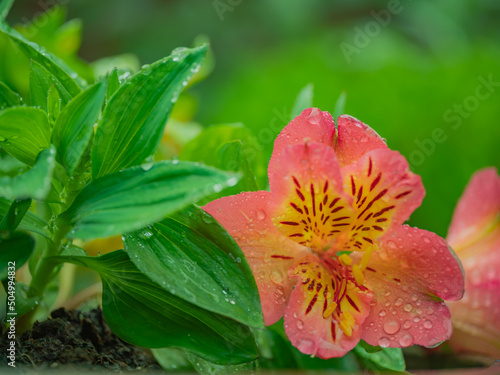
(80,340)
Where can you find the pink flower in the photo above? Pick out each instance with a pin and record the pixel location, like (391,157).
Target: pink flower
(475,235)
(342,191)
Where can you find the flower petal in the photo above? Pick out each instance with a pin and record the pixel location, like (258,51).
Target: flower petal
(478,210)
(385,193)
(409,275)
(312,125)
(476,318)
(314,322)
(354,139)
(245,216)
(308,204)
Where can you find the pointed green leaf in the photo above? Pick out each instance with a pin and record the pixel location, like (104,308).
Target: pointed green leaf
(30,222)
(113,84)
(41,80)
(128,200)
(24,132)
(340,105)
(8,98)
(134,119)
(75,125)
(15,247)
(191,255)
(64,75)
(53,104)
(15,214)
(304,100)
(140,312)
(34,183)
(5,6)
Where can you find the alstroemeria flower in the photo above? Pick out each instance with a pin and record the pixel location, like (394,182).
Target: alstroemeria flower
(342,190)
(475,236)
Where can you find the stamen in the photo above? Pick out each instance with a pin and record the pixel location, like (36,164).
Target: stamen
(345,259)
(329,310)
(358,274)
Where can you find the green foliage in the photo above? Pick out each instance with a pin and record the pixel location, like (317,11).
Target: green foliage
(15,247)
(192,256)
(8,98)
(128,200)
(304,100)
(35,183)
(74,127)
(387,360)
(24,132)
(29,222)
(166,319)
(133,121)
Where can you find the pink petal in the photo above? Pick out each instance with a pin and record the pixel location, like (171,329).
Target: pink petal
(306,325)
(476,318)
(477,210)
(354,139)
(384,193)
(410,270)
(312,125)
(307,203)
(245,216)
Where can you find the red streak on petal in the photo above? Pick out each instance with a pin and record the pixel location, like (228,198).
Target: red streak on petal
(313,200)
(360,194)
(297,208)
(383,210)
(376,181)
(333,330)
(281,257)
(353,186)
(333,202)
(311,304)
(289,223)
(325,188)
(301,196)
(370,167)
(296,182)
(399,196)
(352,302)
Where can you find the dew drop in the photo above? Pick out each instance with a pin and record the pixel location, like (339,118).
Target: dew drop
(260,214)
(300,324)
(407,307)
(406,324)
(382,313)
(406,340)
(276,277)
(416,319)
(391,245)
(398,302)
(384,342)
(391,326)
(427,324)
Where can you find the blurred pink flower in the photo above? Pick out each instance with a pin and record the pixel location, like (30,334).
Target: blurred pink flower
(475,236)
(342,190)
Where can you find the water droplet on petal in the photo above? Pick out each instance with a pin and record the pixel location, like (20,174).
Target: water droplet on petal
(407,307)
(406,340)
(276,277)
(406,324)
(427,324)
(300,324)
(382,313)
(391,326)
(384,342)
(260,214)
(399,302)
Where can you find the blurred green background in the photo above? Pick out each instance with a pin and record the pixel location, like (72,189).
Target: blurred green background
(425,74)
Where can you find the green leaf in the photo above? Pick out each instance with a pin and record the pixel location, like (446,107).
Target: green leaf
(24,132)
(232,157)
(30,221)
(5,6)
(304,100)
(75,125)
(15,214)
(41,80)
(132,123)
(385,360)
(369,348)
(53,104)
(204,367)
(113,84)
(64,75)
(172,359)
(35,183)
(8,98)
(192,256)
(340,105)
(201,148)
(128,200)
(15,247)
(140,312)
